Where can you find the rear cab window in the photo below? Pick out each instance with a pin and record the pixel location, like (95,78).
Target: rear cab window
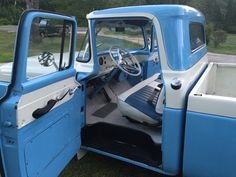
(197,36)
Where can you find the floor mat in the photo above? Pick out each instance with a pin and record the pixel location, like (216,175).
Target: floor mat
(105,110)
(122,141)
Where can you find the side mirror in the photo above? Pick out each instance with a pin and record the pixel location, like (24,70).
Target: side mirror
(46,59)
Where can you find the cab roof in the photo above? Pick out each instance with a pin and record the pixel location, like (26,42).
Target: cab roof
(156,10)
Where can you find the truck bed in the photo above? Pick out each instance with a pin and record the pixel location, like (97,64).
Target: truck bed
(210,129)
(215,92)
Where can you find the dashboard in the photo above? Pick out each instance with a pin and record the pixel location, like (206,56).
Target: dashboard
(105,63)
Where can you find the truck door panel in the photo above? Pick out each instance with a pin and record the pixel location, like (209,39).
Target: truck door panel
(41,114)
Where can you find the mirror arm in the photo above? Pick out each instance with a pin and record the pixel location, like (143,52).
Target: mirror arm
(55,65)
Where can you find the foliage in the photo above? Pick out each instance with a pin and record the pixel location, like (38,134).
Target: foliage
(221,13)
(231,29)
(218,37)
(225,48)
(208,29)
(10,12)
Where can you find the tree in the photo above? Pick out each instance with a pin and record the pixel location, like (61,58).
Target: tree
(218,37)
(32,4)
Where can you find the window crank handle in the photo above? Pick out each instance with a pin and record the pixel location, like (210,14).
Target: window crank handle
(72,91)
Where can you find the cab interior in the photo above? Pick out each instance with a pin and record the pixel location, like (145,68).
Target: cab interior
(125,98)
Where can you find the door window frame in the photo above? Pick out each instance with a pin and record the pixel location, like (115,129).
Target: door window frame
(19,81)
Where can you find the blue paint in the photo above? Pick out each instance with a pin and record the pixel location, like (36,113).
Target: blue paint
(21,58)
(139,100)
(3,88)
(122,76)
(128,160)
(45,80)
(150,68)
(46,136)
(209,148)
(172,139)
(44,146)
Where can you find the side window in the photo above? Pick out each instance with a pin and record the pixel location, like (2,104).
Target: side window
(49,47)
(197,36)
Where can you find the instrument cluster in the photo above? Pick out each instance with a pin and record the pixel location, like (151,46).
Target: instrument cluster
(106,64)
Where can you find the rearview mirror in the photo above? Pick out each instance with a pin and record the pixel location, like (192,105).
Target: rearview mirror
(120,29)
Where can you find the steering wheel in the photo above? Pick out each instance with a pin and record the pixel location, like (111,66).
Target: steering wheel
(125,61)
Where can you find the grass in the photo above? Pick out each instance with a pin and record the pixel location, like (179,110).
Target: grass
(229,47)
(37,45)
(8,25)
(7,42)
(94,165)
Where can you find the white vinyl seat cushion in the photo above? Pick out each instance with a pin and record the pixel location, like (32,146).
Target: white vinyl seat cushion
(135,103)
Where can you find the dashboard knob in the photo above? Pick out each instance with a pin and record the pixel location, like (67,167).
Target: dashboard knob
(100,60)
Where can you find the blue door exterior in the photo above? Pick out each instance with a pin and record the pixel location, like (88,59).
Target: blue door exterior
(41,118)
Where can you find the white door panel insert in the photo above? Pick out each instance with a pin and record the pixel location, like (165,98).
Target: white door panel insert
(39,98)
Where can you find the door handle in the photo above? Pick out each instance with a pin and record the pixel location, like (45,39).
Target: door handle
(51,103)
(41,111)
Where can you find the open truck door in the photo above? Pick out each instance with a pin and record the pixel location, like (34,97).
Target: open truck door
(41,111)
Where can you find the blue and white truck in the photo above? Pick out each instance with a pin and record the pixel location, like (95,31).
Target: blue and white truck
(140,90)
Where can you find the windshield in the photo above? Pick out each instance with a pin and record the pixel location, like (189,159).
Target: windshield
(127,34)
(121,33)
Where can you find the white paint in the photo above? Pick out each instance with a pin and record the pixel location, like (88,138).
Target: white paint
(37,99)
(177,98)
(160,102)
(215,92)
(134,113)
(140,85)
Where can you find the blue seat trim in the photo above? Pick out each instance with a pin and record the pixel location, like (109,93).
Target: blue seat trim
(139,100)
